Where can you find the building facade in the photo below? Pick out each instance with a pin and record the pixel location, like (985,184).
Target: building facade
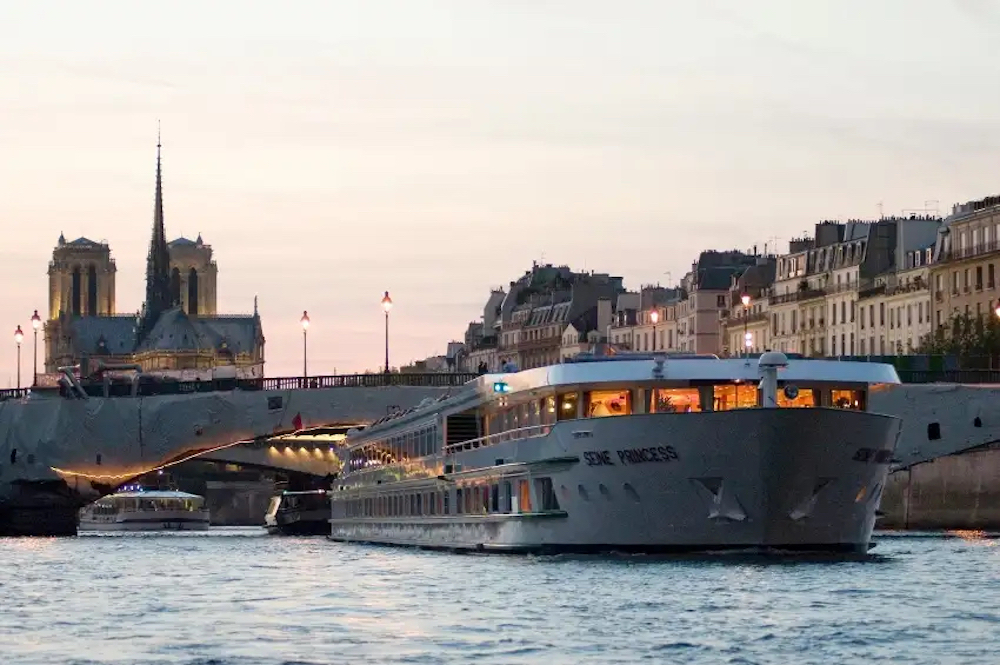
(964,275)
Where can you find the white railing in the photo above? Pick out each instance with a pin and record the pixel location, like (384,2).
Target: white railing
(529,432)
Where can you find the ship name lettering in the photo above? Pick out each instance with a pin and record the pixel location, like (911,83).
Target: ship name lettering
(598,458)
(642,455)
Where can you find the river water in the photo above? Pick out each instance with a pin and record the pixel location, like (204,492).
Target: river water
(237,596)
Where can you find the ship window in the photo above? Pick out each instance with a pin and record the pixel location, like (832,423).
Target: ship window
(420,505)
(848,399)
(674,400)
(805,399)
(546,495)
(505,496)
(458,501)
(549,410)
(523,497)
(933,431)
(494,498)
(609,403)
(446,502)
(735,396)
(567,406)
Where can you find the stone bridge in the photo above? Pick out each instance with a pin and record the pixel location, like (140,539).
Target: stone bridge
(112,436)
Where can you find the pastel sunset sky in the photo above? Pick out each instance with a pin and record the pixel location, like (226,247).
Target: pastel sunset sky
(330,151)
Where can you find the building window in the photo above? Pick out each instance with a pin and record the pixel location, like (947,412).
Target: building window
(881,314)
(852,344)
(979,278)
(862,318)
(989,276)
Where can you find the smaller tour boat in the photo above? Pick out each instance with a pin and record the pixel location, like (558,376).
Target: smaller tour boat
(139,510)
(299,514)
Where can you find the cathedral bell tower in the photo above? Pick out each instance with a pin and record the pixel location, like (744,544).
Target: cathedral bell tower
(81,279)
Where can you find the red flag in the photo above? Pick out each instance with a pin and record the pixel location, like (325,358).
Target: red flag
(297,421)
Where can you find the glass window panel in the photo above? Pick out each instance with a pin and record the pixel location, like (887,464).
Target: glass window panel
(805,399)
(735,396)
(605,403)
(674,400)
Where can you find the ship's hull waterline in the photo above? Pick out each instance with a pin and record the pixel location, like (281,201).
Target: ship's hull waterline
(759,479)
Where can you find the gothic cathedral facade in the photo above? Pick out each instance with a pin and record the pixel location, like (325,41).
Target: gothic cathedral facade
(178,331)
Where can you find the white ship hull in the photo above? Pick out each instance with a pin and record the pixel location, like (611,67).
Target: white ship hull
(161,520)
(786,479)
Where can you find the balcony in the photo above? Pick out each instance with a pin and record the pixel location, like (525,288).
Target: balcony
(969,252)
(798,296)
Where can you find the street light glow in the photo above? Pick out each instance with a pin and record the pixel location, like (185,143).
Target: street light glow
(36,321)
(654,316)
(745,299)
(18,336)
(304,320)
(386,302)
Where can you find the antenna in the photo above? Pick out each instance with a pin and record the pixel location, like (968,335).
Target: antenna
(881,214)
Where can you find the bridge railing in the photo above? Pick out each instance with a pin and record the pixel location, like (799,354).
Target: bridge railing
(151,386)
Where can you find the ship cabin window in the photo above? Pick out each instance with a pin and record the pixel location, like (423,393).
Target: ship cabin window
(549,410)
(848,399)
(734,396)
(603,403)
(806,399)
(674,400)
(567,406)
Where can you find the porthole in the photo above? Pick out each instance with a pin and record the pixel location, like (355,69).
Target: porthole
(604,491)
(583,493)
(630,491)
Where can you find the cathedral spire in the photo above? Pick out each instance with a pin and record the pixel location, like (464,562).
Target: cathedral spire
(158,295)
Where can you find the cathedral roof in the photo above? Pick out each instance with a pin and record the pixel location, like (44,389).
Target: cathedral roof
(83,242)
(174,331)
(182,242)
(118,333)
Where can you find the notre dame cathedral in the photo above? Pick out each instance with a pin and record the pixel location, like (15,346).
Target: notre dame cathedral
(178,331)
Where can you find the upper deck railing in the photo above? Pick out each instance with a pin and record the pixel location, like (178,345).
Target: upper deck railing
(148,386)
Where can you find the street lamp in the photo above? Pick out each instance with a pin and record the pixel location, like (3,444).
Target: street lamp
(386,306)
(997,311)
(305,329)
(654,316)
(745,299)
(18,338)
(36,323)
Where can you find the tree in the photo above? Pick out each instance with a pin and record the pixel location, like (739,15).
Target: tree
(964,335)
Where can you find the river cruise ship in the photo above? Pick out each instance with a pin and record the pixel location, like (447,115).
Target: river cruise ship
(632,454)
(154,510)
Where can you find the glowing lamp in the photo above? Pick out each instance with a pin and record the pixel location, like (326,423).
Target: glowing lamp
(501,387)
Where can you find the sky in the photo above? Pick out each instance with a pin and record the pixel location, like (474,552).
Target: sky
(330,151)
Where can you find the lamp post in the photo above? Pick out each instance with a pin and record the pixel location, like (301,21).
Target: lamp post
(36,323)
(745,299)
(305,355)
(386,306)
(18,338)
(654,316)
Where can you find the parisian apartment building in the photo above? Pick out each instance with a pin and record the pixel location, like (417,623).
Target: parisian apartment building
(854,288)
